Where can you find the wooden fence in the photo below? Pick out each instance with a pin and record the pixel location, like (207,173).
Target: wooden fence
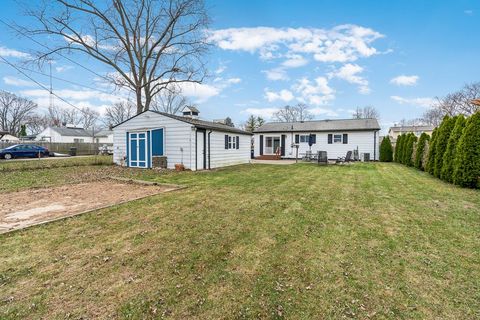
(83,148)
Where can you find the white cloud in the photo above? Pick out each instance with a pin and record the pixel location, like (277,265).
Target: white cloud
(198,91)
(60,69)
(283,95)
(422,102)
(404,80)
(6,52)
(266,113)
(316,92)
(350,73)
(343,43)
(323,112)
(74,95)
(13,81)
(234,80)
(294,61)
(276,74)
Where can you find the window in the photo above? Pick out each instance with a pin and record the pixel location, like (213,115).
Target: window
(78,140)
(232,142)
(304,138)
(337,138)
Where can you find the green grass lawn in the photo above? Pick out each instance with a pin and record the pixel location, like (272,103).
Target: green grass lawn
(378,241)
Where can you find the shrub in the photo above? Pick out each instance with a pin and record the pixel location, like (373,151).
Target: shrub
(407,156)
(467,159)
(449,155)
(419,152)
(431,152)
(443,135)
(399,147)
(386,152)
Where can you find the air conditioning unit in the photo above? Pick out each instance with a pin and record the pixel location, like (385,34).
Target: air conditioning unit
(365,157)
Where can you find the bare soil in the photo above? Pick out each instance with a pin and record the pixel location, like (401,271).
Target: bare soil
(34,206)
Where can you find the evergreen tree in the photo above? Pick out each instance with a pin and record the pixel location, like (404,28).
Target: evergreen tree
(386,152)
(399,148)
(442,140)
(418,162)
(23,131)
(449,155)
(404,154)
(467,157)
(431,152)
(407,157)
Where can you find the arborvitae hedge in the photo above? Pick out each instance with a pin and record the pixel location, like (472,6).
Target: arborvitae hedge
(449,155)
(409,149)
(399,146)
(467,159)
(431,152)
(442,140)
(396,149)
(418,161)
(386,152)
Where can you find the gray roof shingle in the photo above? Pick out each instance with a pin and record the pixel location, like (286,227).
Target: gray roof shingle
(72,132)
(320,125)
(412,128)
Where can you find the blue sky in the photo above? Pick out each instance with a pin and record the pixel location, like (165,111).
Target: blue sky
(331,55)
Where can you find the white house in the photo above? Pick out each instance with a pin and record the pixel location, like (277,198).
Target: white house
(337,137)
(197,144)
(104,137)
(68,134)
(8,138)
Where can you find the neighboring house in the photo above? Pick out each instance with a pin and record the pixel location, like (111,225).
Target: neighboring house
(395,131)
(337,137)
(68,134)
(197,144)
(5,137)
(104,137)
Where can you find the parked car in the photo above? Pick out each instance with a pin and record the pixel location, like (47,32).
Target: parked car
(24,151)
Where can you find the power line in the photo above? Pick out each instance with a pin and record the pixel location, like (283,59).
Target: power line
(45,46)
(40,85)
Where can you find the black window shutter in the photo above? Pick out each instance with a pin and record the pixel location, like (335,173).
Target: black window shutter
(261,145)
(330,138)
(314,138)
(238,142)
(282,146)
(297,138)
(226,141)
(345,138)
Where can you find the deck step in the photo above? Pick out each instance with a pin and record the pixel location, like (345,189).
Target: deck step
(268,157)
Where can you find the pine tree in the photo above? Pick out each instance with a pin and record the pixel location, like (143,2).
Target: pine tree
(419,153)
(386,152)
(442,140)
(399,148)
(404,154)
(23,130)
(431,152)
(407,157)
(449,155)
(467,157)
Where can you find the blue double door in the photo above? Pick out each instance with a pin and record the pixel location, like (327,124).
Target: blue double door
(141,146)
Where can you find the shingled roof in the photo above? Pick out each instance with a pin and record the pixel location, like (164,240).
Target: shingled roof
(72,132)
(320,125)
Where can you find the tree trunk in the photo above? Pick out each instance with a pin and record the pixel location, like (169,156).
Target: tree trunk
(139,100)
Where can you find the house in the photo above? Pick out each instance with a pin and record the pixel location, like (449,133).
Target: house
(67,134)
(104,136)
(337,137)
(197,144)
(6,137)
(395,131)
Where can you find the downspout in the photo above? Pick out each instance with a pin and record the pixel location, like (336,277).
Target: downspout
(209,168)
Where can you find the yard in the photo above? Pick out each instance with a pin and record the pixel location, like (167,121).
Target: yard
(252,241)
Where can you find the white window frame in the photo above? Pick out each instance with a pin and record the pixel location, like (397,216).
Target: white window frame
(337,134)
(305,138)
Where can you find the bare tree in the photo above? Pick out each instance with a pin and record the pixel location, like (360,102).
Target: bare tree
(148,44)
(459,102)
(293,113)
(118,113)
(85,117)
(14,112)
(368,112)
(171,100)
(37,123)
(89,118)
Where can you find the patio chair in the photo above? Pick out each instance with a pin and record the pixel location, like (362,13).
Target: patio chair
(346,159)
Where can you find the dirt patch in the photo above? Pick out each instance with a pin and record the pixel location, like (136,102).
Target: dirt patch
(30,207)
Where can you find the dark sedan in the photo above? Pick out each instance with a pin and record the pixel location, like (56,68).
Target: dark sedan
(24,151)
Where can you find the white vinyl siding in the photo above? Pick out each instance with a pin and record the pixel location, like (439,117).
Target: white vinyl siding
(364,140)
(221,157)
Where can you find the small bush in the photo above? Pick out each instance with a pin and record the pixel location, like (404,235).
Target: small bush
(386,152)
(420,150)
(467,159)
(444,132)
(449,155)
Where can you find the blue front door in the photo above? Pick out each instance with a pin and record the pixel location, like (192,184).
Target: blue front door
(138,150)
